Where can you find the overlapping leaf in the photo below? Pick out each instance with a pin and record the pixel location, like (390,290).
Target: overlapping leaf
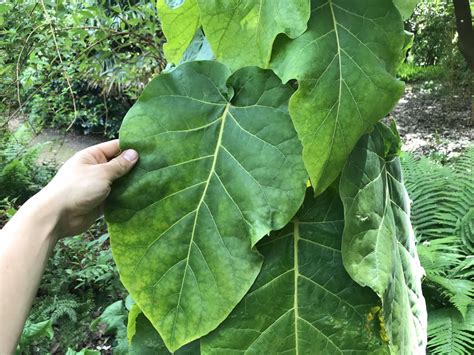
(180,22)
(144,339)
(406,7)
(220,166)
(241,33)
(378,246)
(344,64)
(303,301)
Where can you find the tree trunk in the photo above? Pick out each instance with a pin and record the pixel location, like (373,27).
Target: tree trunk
(462,10)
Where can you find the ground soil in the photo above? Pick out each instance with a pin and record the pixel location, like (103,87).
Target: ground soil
(434,120)
(59,147)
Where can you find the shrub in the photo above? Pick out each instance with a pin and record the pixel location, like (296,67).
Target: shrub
(96,64)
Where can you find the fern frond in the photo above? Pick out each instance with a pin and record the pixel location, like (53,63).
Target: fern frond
(465,269)
(58,307)
(466,229)
(427,184)
(464,183)
(443,197)
(449,333)
(439,256)
(460,292)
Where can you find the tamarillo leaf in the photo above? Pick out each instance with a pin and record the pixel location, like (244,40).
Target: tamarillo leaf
(378,245)
(179,22)
(344,64)
(406,7)
(303,300)
(241,33)
(220,167)
(145,340)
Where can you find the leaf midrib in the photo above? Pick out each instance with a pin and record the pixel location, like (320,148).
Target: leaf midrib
(201,201)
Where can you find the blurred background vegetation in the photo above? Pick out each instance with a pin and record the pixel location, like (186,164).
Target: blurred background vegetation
(74,68)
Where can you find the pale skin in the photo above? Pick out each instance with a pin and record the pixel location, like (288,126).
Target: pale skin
(67,206)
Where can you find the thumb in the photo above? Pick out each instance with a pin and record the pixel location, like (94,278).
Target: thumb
(122,164)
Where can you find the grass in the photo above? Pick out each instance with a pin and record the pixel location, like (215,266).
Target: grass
(411,73)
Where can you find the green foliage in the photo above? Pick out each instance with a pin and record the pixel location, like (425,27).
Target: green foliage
(21,176)
(436,45)
(144,340)
(79,61)
(410,72)
(81,263)
(207,176)
(303,297)
(79,280)
(7,210)
(450,333)
(442,208)
(350,61)
(442,216)
(378,246)
(33,332)
(263,20)
(113,318)
(82,352)
(434,25)
(406,7)
(221,167)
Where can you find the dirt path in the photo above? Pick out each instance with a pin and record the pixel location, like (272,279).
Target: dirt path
(431,122)
(60,147)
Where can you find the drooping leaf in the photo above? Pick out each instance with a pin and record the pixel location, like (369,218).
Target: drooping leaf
(303,301)
(198,49)
(378,246)
(241,33)
(133,313)
(449,333)
(220,166)
(344,64)
(406,7)
(409,38)
(145,340)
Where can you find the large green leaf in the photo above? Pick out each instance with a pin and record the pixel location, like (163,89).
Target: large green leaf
(378,246)
(344,64)
(145,340)
(241,33)
(220,166)
(406,7)
(303,301)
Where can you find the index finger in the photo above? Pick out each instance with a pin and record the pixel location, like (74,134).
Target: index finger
(108,149)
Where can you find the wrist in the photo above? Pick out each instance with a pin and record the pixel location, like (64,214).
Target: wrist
(43,211)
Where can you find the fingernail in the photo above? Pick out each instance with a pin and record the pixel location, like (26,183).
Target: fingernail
(130,155)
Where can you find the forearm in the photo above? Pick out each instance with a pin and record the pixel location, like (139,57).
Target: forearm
(25,245)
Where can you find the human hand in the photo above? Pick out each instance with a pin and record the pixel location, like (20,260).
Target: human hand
(80,187)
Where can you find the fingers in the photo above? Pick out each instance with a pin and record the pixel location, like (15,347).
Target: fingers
(119,166)
(103,152)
